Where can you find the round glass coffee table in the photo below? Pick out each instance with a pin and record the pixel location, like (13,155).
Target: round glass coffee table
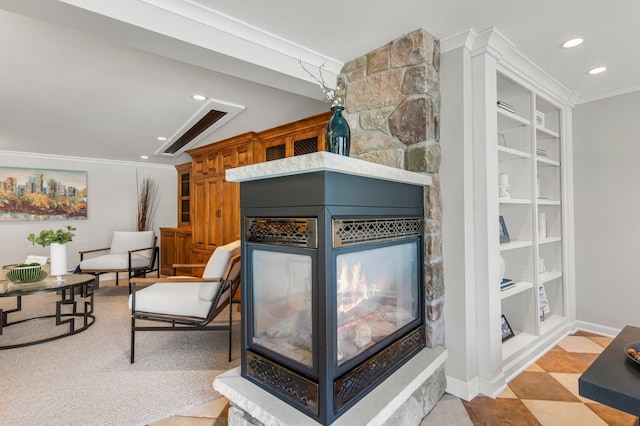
(73,309)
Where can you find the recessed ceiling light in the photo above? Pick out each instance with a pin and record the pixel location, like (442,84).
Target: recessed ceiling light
(199,97)
(162,138)
(572,43)
(597,70)
(144,157)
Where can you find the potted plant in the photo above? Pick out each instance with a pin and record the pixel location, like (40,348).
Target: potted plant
(58,253)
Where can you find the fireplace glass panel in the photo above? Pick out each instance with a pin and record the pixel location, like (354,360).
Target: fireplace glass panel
(282,304)
(377,294)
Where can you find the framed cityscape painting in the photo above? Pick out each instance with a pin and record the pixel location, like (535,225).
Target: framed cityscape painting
(42,194)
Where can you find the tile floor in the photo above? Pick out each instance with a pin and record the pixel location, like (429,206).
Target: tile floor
(545,394)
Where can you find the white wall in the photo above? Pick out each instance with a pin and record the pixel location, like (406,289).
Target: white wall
(112,204)
(607,210)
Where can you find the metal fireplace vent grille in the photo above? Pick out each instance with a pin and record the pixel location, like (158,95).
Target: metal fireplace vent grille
(350,232)
(298,232)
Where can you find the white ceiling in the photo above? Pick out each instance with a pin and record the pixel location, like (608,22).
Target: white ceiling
(104,79)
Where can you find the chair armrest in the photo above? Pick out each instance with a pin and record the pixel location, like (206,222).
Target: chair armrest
(141,249)
(94,250)
(188,265)
(173,280)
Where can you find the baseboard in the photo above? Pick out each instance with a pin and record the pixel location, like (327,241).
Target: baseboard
(461,389)
(596,329)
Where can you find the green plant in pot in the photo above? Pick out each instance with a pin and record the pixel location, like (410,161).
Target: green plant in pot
(49,236)
(57,240)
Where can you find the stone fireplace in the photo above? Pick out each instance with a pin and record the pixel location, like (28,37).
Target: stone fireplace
(392,105)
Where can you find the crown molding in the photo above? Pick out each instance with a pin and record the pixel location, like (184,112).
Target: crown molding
(50,157)
(603,94)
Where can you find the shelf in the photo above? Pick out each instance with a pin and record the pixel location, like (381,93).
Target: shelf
(550,323)
(547,132)
(514,201)
(513,245)
(508,120)
(520,287)
(549,240)
(545,202)
(549,276)
(547,162)
(518,342)
(512,154)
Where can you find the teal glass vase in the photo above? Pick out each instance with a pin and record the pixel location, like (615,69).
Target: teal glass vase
(338,134)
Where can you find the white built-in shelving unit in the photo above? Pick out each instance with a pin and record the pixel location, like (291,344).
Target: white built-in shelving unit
(480,142)
(529,147)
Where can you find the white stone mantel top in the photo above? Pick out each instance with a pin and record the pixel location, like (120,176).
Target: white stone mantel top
(325,161)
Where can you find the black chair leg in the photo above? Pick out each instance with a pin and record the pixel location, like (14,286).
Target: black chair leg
(133,339)
(230,328)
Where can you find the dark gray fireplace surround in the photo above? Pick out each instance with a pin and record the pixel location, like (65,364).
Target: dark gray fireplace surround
(332,279)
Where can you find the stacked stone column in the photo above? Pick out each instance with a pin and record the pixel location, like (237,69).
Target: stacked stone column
(393,110)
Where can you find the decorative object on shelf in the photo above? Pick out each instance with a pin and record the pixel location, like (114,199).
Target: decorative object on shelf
(337,134)
(541,268)
(542,225)
(540,118)
(502,141)
(147,203)
(506,284)
(503,186)
(507,332)
(57,241)
(544,302)
(505,106)
(24,273)
(504,233)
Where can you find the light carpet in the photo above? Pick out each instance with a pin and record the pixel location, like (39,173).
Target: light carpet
(86,379)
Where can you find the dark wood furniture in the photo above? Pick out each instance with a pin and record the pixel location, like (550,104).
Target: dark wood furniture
(208,205)
(613,379)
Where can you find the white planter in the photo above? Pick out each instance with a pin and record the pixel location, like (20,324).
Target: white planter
(58,259)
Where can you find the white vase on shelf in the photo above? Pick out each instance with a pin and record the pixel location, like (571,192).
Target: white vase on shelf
(58,260)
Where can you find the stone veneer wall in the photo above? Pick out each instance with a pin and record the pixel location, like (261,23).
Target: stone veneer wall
(393,110)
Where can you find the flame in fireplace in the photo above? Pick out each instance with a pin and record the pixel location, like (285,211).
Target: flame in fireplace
(352,287)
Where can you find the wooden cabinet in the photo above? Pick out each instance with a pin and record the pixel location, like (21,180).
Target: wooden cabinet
(209,206)
(215,202)
(184,195)
(175,248)
(298,138)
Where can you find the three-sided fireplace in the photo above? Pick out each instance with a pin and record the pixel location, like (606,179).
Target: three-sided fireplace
(333,287)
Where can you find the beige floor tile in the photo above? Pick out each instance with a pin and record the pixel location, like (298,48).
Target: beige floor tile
(580,344)
(570,381)
(601,340)
(508,393)
(535,367)
(559,413)
(214,409)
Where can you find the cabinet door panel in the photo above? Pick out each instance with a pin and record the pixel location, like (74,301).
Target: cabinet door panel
(200,205)
(214,212)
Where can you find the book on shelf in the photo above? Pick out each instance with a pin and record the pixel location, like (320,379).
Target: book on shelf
(505,106)
(506,284)
(541,152)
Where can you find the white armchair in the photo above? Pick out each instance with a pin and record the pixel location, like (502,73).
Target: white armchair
(188,303)
(134,252)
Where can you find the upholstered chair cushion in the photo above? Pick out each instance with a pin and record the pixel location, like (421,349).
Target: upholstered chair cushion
(216,267)
(123,241)
(180,299)
(116,262)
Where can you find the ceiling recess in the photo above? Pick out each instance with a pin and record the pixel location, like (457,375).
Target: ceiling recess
(208,119)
